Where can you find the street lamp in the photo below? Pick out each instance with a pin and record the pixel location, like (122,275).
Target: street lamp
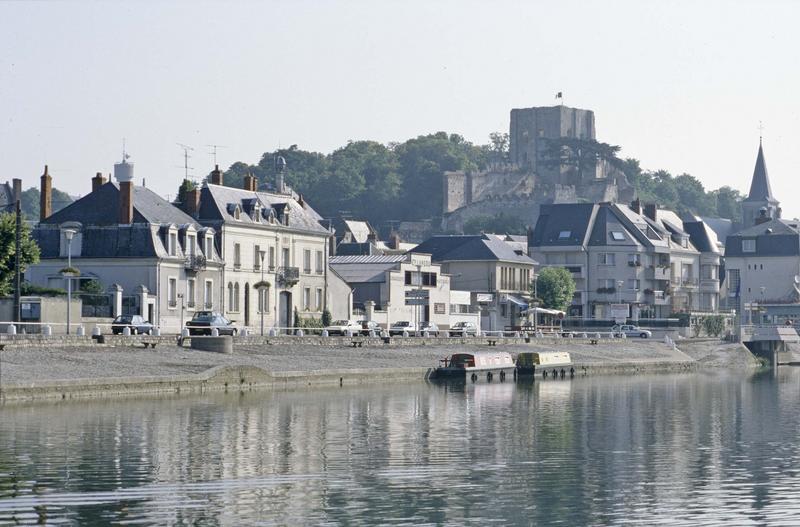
(620,283)
(69,234)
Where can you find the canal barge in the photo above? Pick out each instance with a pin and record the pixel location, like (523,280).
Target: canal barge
(554,362)
(486,365)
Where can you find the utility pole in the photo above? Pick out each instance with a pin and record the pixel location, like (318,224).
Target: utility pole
(17,262)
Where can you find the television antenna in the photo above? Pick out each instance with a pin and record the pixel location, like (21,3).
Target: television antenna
(186,156)
(214,151)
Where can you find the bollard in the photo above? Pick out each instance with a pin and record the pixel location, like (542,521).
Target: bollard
(405,333)
(185,332)
(384,334)
(12,329)
(47,331)
(324,332)
(372,333)
(214,332)
(80,332)
(299,333)
(157,332)
(96,331)
(426,334)
(273,332)
(126,331)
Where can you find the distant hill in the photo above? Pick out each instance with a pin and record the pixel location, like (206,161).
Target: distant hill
(30,202)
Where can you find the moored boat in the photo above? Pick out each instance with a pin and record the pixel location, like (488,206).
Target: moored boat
(531,362)
(477,365)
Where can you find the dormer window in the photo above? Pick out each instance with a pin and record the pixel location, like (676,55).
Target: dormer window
(564,235)
(172,248)
(237,213)
(617,236)
(209,246)
(191,244)
(257,213)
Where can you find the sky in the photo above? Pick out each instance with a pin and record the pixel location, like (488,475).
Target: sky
(681,86)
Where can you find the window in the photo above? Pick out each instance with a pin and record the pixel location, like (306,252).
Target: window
(191,244)
(237,213)
(564,235)
(635,260)
(318,300)
(257,257)
(634,284)
(190,292)
(306,298)
(606,259)
(237,256)
(235,305)
(209,247)
(307,261)
(271,258)
(408,278)
(172,292)
(230,296)
(263,299)
(748,246)
(320,262)
(173,244)
(606,283)
(617,236)
(285,260)
(208,294)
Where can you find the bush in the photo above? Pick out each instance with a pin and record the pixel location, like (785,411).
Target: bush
(714,325)
(327,318)
(28,289)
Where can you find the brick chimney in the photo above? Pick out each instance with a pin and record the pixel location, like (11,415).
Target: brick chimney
(250,182)
(191,205)
(216,176)
(123,172)
(46,196)
(651,210)
(636,206)
(98,181)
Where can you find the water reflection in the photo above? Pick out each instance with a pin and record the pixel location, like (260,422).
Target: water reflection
(679,449)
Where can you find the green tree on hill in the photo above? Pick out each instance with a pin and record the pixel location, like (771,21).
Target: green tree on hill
(29,254)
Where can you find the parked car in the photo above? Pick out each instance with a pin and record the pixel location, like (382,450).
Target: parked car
(370,325)
(402,325)
(430,327)
(631,331)
(203,322)
(137,323)
(463,329)
(340,327)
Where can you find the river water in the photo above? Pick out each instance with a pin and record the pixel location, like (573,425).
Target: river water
(658,449)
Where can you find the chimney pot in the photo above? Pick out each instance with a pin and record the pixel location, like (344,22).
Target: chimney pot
(651,211)
(191,205)
(126,202)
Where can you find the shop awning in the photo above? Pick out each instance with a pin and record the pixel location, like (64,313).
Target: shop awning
(519,301)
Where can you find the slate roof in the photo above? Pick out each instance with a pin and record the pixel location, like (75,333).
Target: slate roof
(359,229)
(702,237)
(760,189)
(101,207)
(215,201)
(361,269)
(449,248)
(117,241)
(574,218)
(776,237)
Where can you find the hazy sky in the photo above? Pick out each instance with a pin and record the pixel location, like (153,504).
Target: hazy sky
(679,85)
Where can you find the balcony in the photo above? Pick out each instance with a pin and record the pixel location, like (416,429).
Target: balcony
(195,263)
(658,298)
(288,276)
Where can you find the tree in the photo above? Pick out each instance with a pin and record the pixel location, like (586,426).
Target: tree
(499,144)
(30,201)
(729,203)
(713,325)
(29,251)
(500,223)
(580,154)
(186,186)
(327,318)
(555,286)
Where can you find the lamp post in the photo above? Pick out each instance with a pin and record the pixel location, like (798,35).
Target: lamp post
(620,283)
(69,234)
(262,294)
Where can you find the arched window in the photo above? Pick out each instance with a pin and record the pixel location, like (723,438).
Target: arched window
(230,297)
(236,297)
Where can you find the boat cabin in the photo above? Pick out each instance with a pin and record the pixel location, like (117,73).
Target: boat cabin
(529,361)
(487,363)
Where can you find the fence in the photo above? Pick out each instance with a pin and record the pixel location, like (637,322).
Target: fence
(95,306)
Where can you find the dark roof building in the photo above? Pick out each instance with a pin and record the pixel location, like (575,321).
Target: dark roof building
(760,204)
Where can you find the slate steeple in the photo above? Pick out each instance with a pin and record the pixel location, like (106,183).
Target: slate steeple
(759,203)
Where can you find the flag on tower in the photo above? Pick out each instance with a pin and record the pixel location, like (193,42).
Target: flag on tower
(559,95)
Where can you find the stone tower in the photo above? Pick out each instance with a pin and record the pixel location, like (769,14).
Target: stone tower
(760,196)
(530,125)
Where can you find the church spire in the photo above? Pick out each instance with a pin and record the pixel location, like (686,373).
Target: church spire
(760,189)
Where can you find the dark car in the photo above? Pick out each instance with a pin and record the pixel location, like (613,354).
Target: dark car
(370,325)
(203,322)
(137,323)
